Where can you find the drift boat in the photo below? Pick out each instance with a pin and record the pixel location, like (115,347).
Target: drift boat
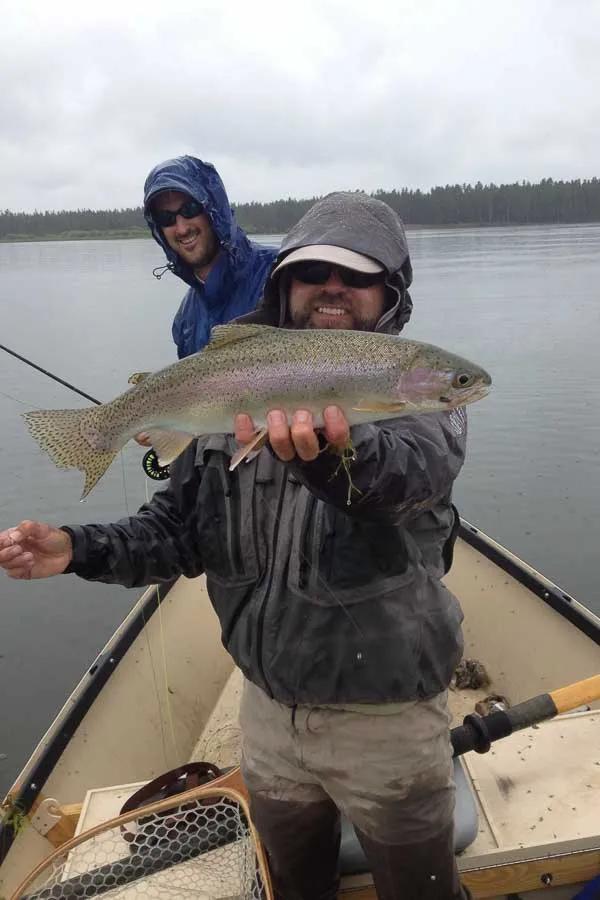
(164,693)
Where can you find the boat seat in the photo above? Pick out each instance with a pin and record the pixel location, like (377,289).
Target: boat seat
(353,860)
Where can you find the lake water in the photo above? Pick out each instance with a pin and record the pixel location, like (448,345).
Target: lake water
(525,303)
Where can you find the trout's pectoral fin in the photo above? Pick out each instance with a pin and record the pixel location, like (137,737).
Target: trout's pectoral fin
(381,406)
(137,377)
(169,444)
(249,450)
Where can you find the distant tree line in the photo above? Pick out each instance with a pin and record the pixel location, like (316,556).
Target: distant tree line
(459,204)
(521,203)
(72,224)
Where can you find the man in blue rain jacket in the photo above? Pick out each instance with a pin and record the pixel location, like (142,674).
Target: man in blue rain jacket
(188,212)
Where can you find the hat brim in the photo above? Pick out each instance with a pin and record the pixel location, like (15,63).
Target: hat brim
(339,256)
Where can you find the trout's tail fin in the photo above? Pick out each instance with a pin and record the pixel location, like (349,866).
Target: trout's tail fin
(61,433)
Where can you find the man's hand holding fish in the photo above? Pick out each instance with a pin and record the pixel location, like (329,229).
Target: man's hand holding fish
(298,437)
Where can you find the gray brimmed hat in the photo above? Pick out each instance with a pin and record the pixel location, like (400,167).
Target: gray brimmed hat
(339,256)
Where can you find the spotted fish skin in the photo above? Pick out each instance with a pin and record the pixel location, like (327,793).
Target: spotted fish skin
(254,368)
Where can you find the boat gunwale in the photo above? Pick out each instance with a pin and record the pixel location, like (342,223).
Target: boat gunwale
(32,778)
(523,863)
(543,588)
(554,850)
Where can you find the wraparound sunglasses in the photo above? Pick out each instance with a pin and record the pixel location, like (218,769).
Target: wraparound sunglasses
(318,272)
(166,217)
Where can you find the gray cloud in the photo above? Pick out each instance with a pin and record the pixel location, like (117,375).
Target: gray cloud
(290,100)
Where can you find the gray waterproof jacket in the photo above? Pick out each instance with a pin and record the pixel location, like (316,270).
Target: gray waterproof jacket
(319,603)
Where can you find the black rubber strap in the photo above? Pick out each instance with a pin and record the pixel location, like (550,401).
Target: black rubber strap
(478,732)
(530,712)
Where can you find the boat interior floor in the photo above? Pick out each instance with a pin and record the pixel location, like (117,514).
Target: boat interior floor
(536,786)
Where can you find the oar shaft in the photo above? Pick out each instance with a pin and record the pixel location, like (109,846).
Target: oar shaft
(578,694)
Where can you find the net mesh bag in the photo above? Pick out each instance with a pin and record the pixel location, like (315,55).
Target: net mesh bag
(202,845)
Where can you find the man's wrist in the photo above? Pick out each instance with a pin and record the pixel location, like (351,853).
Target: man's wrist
(69,531)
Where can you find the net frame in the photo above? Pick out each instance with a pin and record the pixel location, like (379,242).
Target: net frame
(57,860)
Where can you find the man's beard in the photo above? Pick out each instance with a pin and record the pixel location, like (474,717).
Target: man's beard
(205,256)
(302,319)
(208,256)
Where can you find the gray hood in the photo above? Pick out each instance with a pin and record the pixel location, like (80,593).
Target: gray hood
(357,222)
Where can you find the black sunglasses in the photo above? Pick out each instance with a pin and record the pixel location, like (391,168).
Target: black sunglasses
(166,217)
(317,272)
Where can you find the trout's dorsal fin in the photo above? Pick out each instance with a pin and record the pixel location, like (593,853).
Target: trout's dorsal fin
(137,377)
(230,334)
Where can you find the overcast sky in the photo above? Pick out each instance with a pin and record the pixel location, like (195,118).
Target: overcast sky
(293,99)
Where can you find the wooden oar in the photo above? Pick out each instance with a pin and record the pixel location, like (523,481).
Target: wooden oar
(478,732)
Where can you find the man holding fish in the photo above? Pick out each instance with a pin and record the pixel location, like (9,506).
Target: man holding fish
(323,551)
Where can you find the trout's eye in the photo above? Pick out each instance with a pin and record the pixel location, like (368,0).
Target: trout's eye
(463,379)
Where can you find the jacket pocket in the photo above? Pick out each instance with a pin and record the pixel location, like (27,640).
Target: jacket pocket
(219,522)
(342,558)
(376,663)
(232,601)
(448,550)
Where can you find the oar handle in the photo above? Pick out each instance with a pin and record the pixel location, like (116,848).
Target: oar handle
(578,694)
(478,732)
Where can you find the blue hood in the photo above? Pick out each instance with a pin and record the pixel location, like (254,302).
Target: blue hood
(235,282)
(202,182)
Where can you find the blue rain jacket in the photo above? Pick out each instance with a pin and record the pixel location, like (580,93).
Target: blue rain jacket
(235,283)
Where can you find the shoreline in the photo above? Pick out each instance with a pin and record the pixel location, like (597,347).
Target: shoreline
(92,235)
(143,234)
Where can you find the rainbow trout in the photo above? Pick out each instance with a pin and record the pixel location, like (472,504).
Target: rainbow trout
(252,369)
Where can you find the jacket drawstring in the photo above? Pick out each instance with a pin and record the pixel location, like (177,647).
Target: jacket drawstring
(159,271)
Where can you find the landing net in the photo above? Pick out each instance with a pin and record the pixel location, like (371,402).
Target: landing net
(204,847)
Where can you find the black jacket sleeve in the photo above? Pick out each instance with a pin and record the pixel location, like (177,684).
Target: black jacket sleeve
(156,545)
(402,467)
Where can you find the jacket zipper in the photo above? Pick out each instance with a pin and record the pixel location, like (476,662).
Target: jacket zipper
(232,499)
(305,544)
(263,607)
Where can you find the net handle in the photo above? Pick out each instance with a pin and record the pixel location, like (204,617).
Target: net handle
(171,803)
